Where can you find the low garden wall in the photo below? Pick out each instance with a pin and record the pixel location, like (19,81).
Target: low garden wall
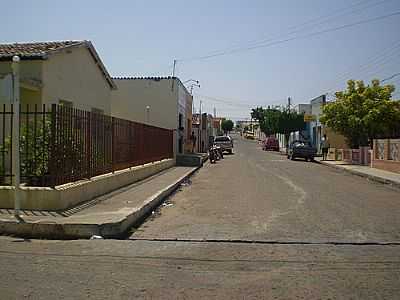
(361,156)
(386,155)
(69,195)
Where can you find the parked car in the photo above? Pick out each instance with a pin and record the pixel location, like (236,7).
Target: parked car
(249,135)
(225,142)
(301,149)
(271,144)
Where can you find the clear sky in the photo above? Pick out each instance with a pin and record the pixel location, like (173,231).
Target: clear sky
(142,38)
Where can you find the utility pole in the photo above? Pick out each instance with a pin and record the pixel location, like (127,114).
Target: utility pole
(289,103)
(173,75)
(15,139)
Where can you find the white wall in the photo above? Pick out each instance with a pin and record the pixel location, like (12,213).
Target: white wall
(132,96)
(73,75)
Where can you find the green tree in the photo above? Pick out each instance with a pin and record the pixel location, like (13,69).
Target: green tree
(289,121)
(362,113)
(273,120)
(258,114)
(227,125)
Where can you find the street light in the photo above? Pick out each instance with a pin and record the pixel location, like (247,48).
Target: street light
(196,81)
(191,87)
(148,114)
(15,140)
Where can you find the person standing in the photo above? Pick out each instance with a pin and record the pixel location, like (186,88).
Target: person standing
(325,147)
(193,140)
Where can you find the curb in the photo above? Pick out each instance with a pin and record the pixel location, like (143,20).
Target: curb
(85,231)
(361,174)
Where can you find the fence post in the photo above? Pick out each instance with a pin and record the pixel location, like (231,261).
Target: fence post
(52,155)
(112,145)
(387,149)
(16,135)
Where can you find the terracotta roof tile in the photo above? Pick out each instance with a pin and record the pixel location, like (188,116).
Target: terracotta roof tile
(156,78)
(38,49)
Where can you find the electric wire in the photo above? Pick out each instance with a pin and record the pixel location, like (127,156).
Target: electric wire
(309,35)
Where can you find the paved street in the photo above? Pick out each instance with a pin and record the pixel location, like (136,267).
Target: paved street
(253,226)
(258,195)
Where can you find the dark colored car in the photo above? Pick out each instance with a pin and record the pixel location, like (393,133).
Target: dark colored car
(301,149)
(225,142)
(271,144)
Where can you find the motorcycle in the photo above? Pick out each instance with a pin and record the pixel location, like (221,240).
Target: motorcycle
(220,152)
(212,155)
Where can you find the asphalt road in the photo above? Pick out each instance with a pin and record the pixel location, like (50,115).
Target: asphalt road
(263,196)
(253,226)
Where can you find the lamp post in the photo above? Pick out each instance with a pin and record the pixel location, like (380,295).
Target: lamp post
(195,81)
(148,114)
(15,138)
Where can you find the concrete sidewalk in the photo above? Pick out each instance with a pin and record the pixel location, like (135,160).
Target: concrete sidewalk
(373,174)
(109,216)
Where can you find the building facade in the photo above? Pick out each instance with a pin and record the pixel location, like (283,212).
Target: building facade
(68,73)
(159,101)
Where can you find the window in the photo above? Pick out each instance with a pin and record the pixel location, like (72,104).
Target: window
(180,122)
(222,139)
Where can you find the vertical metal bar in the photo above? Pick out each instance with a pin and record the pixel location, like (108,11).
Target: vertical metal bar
(25,157)
(3,143)
(77,145)
(112,144)
(62,143)
(34,141)
(71,151)
(89,137)
(52,146)
(12,114)
(45,136)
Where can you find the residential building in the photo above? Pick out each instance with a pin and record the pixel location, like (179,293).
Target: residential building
(67,72)
(303,135)
(189,117)
(204,131)
(317,130)
(158,101)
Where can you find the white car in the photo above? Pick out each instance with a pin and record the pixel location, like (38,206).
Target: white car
(225,142)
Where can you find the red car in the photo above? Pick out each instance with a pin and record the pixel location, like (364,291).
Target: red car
(270,144)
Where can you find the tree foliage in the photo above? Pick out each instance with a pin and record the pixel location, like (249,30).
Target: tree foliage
(274,120)
(227,125)
(361,113)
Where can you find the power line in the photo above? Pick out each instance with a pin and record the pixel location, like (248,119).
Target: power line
(236,103)
(297,28)
(374,60)
(390,77)
(328,17)
(296,37)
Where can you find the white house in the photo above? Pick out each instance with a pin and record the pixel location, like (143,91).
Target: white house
(158,101)
(67,72)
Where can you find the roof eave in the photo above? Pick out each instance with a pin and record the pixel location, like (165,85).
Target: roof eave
(100,64)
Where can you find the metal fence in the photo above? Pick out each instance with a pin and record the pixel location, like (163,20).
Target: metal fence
(60,144)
